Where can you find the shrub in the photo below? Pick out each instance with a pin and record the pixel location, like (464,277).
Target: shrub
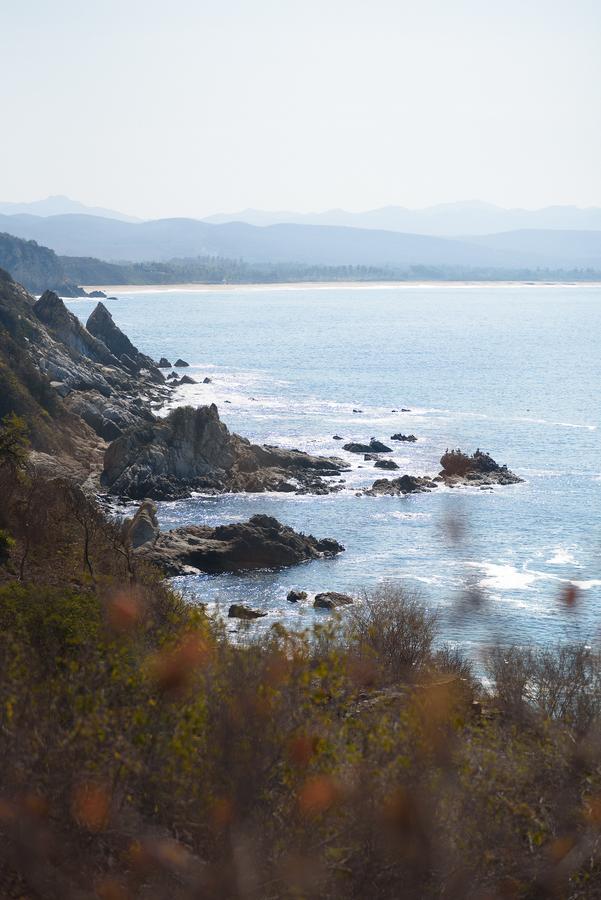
(562,683)
(393,629)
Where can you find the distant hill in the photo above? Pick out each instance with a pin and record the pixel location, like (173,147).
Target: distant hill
(163,239)
(445,219)
(565,247)
(39,268)
(60,205)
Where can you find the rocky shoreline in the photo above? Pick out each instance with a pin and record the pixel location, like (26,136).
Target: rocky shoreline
(104,397)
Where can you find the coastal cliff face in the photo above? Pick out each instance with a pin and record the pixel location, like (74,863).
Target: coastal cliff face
(193,450)
(36,267)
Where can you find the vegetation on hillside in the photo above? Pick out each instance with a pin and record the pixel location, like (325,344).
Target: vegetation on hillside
(147,755)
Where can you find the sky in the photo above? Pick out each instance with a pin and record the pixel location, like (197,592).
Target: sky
(191,107)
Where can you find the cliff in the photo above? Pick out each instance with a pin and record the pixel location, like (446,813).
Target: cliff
(37,268)
(87,395)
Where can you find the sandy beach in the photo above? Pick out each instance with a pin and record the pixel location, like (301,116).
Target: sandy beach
(112,289)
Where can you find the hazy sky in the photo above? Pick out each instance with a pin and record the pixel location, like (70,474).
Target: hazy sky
(190,107)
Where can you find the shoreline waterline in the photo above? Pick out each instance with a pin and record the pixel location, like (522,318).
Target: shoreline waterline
(204,287)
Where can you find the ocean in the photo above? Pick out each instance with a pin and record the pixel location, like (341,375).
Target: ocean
(512,369)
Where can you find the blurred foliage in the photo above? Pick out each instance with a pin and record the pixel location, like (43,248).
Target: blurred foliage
(147,755)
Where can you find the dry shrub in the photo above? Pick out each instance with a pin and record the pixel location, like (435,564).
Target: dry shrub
(393,629)
(561,682)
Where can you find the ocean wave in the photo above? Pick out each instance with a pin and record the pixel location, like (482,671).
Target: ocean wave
(562,557)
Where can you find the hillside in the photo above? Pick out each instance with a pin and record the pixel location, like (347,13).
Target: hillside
(163,239)
(37,268)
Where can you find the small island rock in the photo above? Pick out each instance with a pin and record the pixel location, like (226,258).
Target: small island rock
(239,611)
(331,600)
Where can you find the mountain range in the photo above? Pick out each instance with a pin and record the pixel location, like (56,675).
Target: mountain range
(59,205)
(164,239)
(446,219)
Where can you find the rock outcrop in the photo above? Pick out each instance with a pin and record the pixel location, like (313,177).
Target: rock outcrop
(405,484)
(374,446)
(385,464)
(477,470)
(143,529)
(260,543)
(409,438)
(100,324)
(192,450)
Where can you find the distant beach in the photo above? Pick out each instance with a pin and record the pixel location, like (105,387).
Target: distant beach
(111,289)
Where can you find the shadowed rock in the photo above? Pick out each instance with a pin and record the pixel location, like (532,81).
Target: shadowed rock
(374,446)
(239,611)
(260,543)
(385,464)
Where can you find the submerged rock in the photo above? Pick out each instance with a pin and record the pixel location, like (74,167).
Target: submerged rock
(296,596)
(331,600)
(260,543)
(207,380)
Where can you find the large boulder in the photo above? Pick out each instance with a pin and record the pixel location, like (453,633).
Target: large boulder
(240,611)
(260,543)
(331,600)
(143,528)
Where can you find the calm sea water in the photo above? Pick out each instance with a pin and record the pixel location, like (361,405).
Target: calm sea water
(514,370)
